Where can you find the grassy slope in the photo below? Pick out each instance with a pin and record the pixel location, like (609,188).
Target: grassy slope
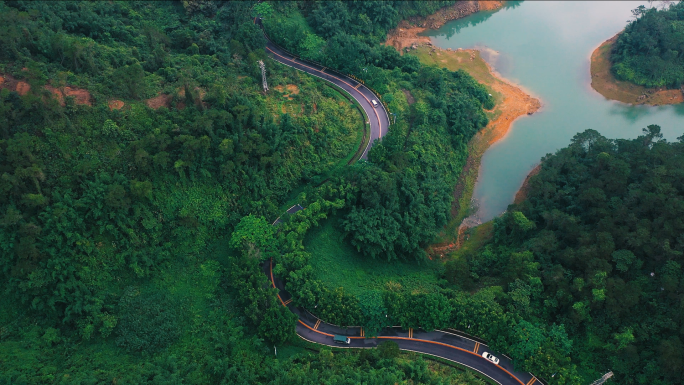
(338,264)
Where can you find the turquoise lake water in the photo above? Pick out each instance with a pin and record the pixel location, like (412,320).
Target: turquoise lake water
(545,46)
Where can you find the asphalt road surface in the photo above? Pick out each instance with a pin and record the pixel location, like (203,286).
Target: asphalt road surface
(378,117)
(450,345)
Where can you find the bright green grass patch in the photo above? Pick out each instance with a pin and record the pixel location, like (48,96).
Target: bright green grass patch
(337,264)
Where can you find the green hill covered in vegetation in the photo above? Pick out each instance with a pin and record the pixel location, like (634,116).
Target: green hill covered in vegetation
(141,165)
(596,249)
(136,149)
(650,51)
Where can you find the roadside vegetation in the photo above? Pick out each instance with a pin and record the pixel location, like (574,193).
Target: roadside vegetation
(402,198)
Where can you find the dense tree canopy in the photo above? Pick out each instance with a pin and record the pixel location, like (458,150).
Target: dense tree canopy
(597,250)
(650,51)
(404,196)
(133,224)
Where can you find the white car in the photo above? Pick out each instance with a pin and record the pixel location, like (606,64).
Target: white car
(375,103)
(489,357)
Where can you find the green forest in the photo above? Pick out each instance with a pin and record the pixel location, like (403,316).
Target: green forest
(650,51)
(127,216)
(596,251)
(142,166)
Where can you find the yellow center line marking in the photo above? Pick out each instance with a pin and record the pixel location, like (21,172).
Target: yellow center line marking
(288,301)
(477,347)
(532,381)
(324,68)
(317,323)
(357,86)
(410,333)
(362,335)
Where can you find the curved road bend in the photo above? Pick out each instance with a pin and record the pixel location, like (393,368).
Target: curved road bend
(437,343)
(441,344)
(378,117)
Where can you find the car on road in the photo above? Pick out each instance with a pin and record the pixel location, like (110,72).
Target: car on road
(375,103)
(489,357)
(344,340)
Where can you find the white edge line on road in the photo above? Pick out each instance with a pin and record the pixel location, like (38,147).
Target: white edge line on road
(383,110)
(467,366)
(458,335)
(357,100)
(406,350)
(335,346)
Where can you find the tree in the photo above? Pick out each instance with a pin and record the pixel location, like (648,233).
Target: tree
(278,325)
(374,313)
(254,236)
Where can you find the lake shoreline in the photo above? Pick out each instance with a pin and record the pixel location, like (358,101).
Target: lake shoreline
(512,102)
(603,82)
(406,34)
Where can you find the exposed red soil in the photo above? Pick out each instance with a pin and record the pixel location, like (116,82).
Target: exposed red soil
(162,100)
(57,94)
(80,95)
(22,88)
(116,104)
(521,195)
(288,90)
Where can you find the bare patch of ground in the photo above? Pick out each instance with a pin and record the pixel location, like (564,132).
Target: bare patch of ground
(80,95)
(409,98)
(116,104)
(22,88)
(288,90)
(162,100)
(511,100)
(57,94)
(521,195)
(603,81)
(406,33)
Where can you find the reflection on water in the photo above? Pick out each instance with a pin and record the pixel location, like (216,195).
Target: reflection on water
(630,113)
(545,47)
(451,29)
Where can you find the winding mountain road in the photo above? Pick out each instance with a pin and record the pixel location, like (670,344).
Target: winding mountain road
(450,345)
(378,117)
